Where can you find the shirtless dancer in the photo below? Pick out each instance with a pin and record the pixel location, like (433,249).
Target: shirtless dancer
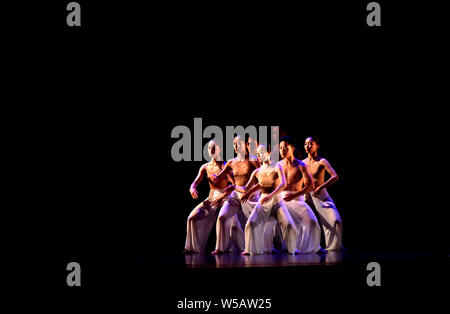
(228,227)
(271,180)
(202,218)
(299,182)
(328,214)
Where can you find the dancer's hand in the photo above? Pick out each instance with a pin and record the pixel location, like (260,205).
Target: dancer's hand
(244,198)
(229,189)
(194,193)
(218,200)
(213,178)
(265,199)
(317,191)
(289,197)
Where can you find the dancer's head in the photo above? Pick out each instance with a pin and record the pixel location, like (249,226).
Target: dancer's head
(252,144)
(263,152)
(213,150)
(239,145)
(287,146)
(311,145)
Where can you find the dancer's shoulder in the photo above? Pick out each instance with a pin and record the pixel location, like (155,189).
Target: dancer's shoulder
(300,162)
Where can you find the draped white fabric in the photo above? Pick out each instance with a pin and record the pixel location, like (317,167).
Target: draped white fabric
(329,218)
(233,214)
(200,223)
(255,237)
(308,239)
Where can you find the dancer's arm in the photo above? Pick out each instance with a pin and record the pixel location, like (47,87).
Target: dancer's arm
(222,198)
(230,177)
(334,177)
(198,179)
(280,186)
(249,184)
(225,171)
(306,184)
(247,194)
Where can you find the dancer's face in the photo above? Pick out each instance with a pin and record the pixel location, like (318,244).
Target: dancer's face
(213,149)
(286,149)
(311,146)
(252,145)
(262,153)
(239,146)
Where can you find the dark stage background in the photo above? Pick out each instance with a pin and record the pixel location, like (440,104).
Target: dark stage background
(111,92)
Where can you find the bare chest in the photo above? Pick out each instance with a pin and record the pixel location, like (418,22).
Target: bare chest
(242,168)
(293,174)
(213,169)
(315,169)
(267,177)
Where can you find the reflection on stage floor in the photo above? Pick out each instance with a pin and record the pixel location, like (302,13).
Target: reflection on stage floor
(264,260)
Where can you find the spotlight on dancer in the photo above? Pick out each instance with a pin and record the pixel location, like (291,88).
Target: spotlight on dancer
(319,198)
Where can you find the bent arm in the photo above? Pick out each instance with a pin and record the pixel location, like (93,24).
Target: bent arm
(230,177)
(306,180)
(282,184)
(249,184)
(334,177)
(224,172)
(199,178)
(254,188)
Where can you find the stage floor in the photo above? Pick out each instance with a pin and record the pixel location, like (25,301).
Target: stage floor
(264,260)
(284,259)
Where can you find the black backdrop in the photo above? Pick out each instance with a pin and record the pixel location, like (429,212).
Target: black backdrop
(111,92)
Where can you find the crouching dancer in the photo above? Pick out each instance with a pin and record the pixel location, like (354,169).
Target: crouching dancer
(327,212)
(271,180)
(306,223)
(202,218)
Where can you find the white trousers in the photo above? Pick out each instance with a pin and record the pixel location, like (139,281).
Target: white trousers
(329,218)
(200,222)
(308,238)
(228,227)
(256,226)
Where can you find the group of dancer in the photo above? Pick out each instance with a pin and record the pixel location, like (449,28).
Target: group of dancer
(260,206)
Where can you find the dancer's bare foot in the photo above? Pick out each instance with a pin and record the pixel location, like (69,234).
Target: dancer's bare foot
(217,252)
(245,253)
(186,251)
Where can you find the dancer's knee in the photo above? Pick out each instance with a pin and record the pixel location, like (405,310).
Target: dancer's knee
(221,220)
(194,217)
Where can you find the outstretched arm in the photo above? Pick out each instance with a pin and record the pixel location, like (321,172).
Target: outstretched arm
(334,177)
(198,179)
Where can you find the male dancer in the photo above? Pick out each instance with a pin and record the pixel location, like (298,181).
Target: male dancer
(228,227)
(202,218)
(252,146)
(328,214)
(308,240)
(271,180)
